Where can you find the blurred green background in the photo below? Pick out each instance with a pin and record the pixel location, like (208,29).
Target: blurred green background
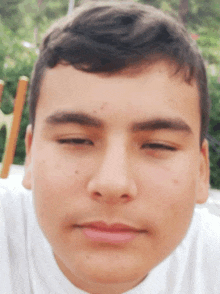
(23,23)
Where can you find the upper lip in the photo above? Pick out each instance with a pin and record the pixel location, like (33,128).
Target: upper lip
(114,227)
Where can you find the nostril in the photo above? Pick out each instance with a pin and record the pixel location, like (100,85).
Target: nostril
(125,196)
(97,194)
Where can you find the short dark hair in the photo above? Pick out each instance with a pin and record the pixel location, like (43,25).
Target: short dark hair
(107,37)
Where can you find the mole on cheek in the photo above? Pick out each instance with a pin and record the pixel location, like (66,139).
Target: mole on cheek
(104,105)
(175,181)
(76,172)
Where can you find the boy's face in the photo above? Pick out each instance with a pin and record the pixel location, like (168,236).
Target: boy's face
(121,149)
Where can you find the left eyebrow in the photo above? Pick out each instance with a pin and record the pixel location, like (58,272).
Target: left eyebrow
(173,124)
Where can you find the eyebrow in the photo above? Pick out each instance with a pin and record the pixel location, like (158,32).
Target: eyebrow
(65,117)
(174,124)
(83,119)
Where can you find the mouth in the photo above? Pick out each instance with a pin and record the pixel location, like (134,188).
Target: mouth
(113,233)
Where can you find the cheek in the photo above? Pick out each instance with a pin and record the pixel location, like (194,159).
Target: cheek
(56,167)
(173,177)
(168,198)
(170,191)
(57,184)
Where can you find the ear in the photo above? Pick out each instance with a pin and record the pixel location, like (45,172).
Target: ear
(203,191)
(28,165)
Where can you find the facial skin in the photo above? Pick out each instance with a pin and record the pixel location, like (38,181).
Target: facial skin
(145,175)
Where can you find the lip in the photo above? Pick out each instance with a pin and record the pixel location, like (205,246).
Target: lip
(112,233)
(115,227)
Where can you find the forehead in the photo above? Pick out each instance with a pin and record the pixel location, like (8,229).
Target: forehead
(131,95)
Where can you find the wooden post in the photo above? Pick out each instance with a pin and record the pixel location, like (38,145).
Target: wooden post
(1,90)
(17,113)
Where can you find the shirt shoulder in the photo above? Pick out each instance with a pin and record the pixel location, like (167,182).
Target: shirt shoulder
(206,227)
(15,201)
(196,261)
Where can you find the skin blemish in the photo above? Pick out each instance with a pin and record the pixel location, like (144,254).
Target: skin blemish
(103,106)
(175,181)
(76,172)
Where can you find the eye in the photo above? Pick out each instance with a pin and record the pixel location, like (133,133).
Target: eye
(158,146)
(75,141)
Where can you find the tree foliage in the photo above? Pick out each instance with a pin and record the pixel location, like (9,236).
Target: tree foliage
(10,14)
(40,15)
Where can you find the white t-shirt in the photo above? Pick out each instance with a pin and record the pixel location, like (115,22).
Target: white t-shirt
(27,264)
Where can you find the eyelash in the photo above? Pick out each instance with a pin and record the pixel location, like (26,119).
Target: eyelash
(76,141)
(153,146)
(158,146)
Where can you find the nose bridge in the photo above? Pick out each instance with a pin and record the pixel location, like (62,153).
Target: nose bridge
(114,166)
(113,179)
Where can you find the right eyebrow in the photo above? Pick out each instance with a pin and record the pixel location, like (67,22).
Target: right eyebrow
(66,117)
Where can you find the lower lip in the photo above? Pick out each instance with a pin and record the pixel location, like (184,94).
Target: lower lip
(109,237)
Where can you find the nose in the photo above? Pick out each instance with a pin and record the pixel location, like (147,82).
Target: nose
(113,181)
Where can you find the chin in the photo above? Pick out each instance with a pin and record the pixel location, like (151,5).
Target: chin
(105,268)
(120,273)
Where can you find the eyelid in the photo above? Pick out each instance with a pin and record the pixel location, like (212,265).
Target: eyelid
(75,141)
(159,146)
